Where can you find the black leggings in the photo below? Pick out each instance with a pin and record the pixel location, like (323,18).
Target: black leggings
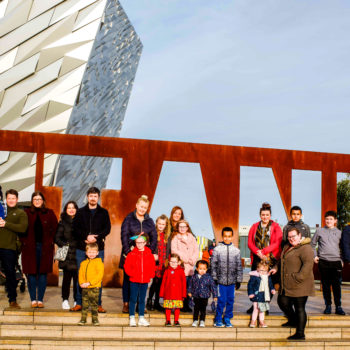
(155,289)
(67,277)
(294,309)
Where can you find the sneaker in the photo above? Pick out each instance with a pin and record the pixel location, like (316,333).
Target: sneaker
(177,324)
(339,311)
(76,308)
(252,324)
(167,324)
(328,310)
(132,321)
(228,323)
(34,304)
(75,304)
(195,324)
(40,305)
(143,322)
(219,324)
(95,322)
(82,322)
(262,324)
(65,305)
(202,324)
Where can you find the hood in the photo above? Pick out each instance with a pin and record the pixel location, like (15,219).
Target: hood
(254,273)
(305,240)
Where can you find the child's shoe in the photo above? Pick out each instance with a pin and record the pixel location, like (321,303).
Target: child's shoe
(132,321)
(177,324)
(65,305)
(95,322)
(252,324)
(201,324)
(167,324)
(219,324)
(262,324)
(143,322)
(195,324)
(82,322)
(228,323)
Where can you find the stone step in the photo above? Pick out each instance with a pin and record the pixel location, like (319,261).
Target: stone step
(77,344)
(55,317)
(124,333)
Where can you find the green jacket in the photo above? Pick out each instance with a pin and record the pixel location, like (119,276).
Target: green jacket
(16,223)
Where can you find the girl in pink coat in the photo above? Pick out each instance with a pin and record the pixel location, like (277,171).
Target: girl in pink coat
(184,244)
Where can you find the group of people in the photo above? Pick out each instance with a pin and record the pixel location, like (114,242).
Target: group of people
(166,253)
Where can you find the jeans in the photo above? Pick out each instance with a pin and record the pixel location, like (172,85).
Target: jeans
(37,282)
(67,277)
(8,259)
(81,256)
(225,301)
(126,288)
(294,309)
(138,293)
(331,276)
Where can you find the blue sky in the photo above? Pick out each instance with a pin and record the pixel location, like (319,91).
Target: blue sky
(251,73)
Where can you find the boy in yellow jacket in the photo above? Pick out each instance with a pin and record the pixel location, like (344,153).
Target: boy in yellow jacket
(90,279)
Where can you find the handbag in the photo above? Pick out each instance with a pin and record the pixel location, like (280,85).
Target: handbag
(61,253)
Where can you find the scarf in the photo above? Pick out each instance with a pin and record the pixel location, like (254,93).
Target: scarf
(264,286)
(262,236)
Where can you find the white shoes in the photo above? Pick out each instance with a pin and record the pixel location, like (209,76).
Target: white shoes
(201,324)
(143,322)
(195,324)
(132,321)
(65,305)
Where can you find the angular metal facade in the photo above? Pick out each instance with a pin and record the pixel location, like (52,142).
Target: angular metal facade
(54,56)
(102,100)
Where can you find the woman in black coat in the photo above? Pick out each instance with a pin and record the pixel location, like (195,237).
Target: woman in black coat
(136,222)
(64,236)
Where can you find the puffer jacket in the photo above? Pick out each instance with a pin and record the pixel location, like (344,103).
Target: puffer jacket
(132,226)
(202,286)
(226,264)
(296,266)
(64,236)
(91,270)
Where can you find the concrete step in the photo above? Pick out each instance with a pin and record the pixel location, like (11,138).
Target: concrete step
(76,344)
(211,334)
(54,317)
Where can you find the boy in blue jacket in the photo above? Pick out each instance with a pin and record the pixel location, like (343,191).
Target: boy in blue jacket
(200,287)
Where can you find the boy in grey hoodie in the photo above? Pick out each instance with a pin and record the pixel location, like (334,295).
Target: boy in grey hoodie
(329,260)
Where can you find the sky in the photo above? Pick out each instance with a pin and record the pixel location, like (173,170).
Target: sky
(249,73)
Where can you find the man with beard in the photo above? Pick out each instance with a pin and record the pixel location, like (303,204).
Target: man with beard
(90,225)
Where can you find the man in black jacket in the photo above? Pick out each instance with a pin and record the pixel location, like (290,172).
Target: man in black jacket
(90,225)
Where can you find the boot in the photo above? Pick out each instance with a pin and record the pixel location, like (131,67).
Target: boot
(125,308)
(149,305)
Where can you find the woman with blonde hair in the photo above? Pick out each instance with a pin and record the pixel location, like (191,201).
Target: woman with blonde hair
(163,232)
(135,223)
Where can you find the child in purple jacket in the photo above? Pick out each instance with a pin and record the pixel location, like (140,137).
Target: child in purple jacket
(200,287)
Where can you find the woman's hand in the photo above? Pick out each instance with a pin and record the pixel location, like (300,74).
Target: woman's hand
(316,259)
(250,296)
(273,291)
(190,295)
(272,271)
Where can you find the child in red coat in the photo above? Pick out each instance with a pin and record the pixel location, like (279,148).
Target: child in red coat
(173,289)
(140,266)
